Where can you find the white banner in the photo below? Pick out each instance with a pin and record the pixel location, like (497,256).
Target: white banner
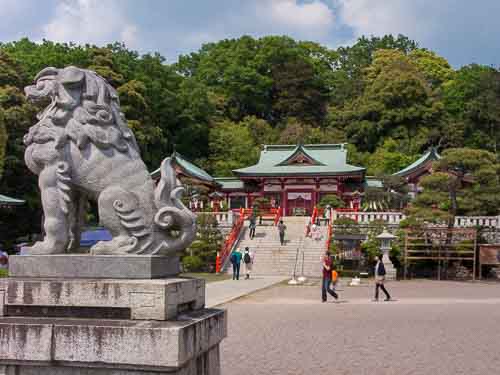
(296,195)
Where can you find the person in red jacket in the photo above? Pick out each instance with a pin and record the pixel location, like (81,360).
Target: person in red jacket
(327,278)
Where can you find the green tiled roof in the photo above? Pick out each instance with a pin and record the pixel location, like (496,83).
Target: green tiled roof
(8,201)
(230,183)
(328,159)
(430,155)
(189,168)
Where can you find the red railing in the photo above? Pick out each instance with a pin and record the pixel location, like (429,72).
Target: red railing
(244,213)
(329,233)
(231,239)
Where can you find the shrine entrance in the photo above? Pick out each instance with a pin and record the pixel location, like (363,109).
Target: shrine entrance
(299,204)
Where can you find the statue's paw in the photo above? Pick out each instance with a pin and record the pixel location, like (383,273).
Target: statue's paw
(116,246)
(43,248)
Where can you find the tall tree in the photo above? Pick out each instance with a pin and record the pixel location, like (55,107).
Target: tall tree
(16,116)
(231,147)
(466,182)
(397,102)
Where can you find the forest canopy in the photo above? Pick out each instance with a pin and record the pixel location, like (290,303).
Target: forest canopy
(388,97)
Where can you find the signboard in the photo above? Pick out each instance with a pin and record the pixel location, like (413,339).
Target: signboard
(489,254)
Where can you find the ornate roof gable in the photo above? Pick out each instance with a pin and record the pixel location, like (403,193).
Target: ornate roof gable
(299,157)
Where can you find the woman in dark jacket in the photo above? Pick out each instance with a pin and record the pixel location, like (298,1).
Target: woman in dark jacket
(380,278)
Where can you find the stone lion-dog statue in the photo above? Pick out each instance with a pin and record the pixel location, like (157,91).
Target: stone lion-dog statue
(81,148)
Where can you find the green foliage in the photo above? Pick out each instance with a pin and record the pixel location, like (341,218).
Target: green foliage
(466,182)
(396,102)
(346,226)
(331,200)
(387,159)
(387,97)
(3,142)
(192,263)
(232,147)
(202,252)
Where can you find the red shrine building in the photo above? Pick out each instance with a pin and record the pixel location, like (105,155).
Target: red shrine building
(293,177)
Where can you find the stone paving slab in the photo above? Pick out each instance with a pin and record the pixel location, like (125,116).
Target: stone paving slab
(221,292)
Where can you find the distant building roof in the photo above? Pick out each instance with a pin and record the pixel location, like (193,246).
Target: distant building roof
(316,159)
(230,183)
(8,201)
(430,156)
(189,170)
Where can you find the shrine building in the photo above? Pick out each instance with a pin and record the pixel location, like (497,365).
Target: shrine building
(296,177)
(293,177)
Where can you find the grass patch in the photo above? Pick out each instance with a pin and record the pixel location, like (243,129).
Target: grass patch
(208,277)
(4,272)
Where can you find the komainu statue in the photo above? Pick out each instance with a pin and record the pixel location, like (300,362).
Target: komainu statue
(81,149)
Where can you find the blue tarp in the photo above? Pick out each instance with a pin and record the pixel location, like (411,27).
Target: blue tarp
(91,237)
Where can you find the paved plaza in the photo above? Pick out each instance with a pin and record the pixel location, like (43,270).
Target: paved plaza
(433,327)
(227,290)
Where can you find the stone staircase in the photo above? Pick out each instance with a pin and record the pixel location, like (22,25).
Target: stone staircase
(273,259)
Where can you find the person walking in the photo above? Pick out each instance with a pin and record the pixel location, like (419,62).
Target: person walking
(379,279)
(327,278)
(248,258)
(253,224)
(236,262)
(281,231)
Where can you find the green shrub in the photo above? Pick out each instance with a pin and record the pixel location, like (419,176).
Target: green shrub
(332,200)
(4,272)
(192,263)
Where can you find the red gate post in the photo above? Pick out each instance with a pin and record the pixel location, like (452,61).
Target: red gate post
(217,263)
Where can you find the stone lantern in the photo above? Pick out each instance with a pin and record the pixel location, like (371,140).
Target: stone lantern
(386,239)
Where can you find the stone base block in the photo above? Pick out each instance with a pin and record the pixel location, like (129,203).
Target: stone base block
(207,363)
(167,346)
(85,266)
(158,299)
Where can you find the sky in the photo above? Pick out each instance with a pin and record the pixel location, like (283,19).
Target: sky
(463,31)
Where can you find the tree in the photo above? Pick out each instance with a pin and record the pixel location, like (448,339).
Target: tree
(262,132)
(331,200)
(436,69)
(201,254)
(3,142)
(270,78)
(397,102)
(472,101)
(231,147)
(347,82)
(387,159)
(466,182)
(16,116)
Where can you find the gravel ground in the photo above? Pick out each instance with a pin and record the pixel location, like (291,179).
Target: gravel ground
(433,327)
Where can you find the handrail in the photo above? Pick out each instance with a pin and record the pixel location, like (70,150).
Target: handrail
(231,239)
(278,215)
(329,233)
(233,236)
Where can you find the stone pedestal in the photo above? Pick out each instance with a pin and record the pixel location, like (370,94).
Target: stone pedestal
(390,271)
(55,325)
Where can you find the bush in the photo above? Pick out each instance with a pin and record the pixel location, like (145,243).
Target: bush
(4,272)
(192,263)
(332,200)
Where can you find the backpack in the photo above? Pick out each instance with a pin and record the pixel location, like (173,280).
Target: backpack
(247,259)
(232,258)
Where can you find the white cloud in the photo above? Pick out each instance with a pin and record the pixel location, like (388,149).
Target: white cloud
(306,15)
(371,17)
(90,21)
